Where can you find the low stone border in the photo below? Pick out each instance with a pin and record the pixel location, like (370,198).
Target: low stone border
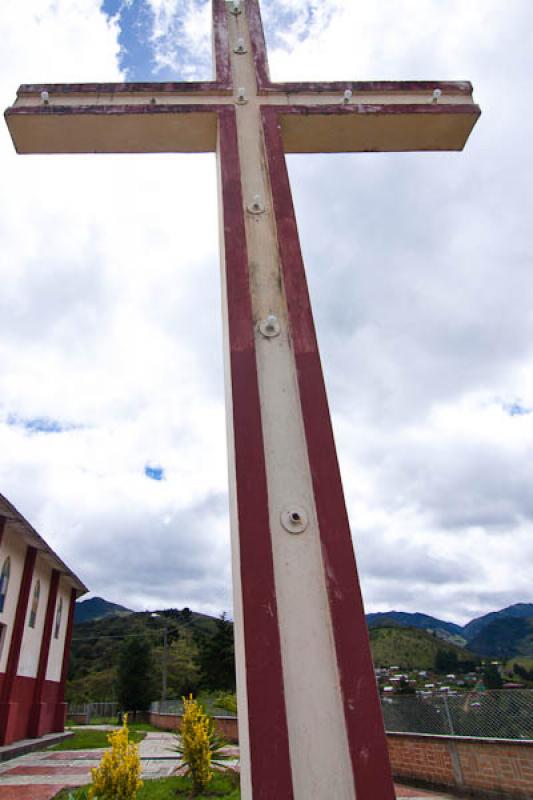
(24,746)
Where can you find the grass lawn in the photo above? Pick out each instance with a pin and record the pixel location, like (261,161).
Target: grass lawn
(171,788)
(91,739)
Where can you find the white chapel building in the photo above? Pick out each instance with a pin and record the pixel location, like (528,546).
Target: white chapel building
(37,598)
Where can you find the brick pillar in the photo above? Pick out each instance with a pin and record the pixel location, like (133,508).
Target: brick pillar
(61,707)
(37,722)
(8,708)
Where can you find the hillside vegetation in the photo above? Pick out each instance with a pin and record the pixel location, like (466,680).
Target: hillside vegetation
(96,647)
(504,637)
(409,648)
(410,641)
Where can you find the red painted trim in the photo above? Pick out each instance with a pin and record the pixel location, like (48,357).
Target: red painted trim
(66,648)
(101,110)
(2,528)
(395,109)
(370,87)
(34,722)
(258,41)
(269,741)
(221,51)
(8,709)
(362,709)
(60,711)
(266,86)
(18,625)
(148,88)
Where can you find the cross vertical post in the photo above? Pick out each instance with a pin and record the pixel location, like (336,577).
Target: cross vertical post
(310,724)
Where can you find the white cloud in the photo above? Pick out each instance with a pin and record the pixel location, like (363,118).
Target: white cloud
(109,316)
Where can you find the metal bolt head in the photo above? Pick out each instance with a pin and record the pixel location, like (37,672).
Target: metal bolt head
(239,47)
(294,519)
(270,326)
(256,206)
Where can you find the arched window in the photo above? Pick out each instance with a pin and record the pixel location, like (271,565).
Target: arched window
(35,604)
(4,581)
(59,612)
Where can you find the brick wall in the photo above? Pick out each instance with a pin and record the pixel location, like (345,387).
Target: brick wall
(491,769)
(226,726)
(485,768)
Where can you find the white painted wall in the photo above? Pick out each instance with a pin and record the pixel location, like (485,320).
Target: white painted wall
(32,637)
(55,658)
(15,548)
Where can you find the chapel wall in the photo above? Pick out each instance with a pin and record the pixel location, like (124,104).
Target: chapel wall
(57,644)
(33,636)
(14,547)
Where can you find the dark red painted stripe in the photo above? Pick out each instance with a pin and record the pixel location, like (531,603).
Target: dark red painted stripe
(66,650)
(221,51)
(18,625)
(259,50)
(176,87)
(371,87)
(269,741)
(101,110)
(395,109)
(44,653)
(2,528)
(362,709)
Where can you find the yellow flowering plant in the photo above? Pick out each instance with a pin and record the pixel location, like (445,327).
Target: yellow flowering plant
(200,747)
(118,777)
(196,731)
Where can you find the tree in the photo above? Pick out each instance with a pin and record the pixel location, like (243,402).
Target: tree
(136,688)
(217,657)
(446,661)
(491,677)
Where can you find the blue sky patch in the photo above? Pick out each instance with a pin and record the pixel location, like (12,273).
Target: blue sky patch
(167,56)
(516,410)
(39,424)
(154,473)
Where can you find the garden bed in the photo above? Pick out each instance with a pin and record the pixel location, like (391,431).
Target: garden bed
(222,786)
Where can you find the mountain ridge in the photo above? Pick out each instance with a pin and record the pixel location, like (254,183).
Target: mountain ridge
(97,608)
(488,633)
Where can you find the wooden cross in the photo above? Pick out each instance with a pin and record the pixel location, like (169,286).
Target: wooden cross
(310,723)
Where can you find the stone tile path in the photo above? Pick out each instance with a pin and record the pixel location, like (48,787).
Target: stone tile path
(40,775)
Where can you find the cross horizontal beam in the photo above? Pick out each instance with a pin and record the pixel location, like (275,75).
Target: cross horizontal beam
(159,127)
(314,117)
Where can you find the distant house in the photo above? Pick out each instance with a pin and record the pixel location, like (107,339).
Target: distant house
(37,597)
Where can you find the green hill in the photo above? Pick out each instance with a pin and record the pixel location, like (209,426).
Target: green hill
(96,608)
(409,648)
(504,637)
(475,626)
(96,646)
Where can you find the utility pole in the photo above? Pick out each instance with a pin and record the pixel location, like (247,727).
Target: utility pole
(164,663)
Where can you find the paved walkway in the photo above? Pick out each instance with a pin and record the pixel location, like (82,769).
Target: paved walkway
(41,775)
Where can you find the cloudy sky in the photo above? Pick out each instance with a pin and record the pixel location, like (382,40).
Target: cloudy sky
(112,439)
